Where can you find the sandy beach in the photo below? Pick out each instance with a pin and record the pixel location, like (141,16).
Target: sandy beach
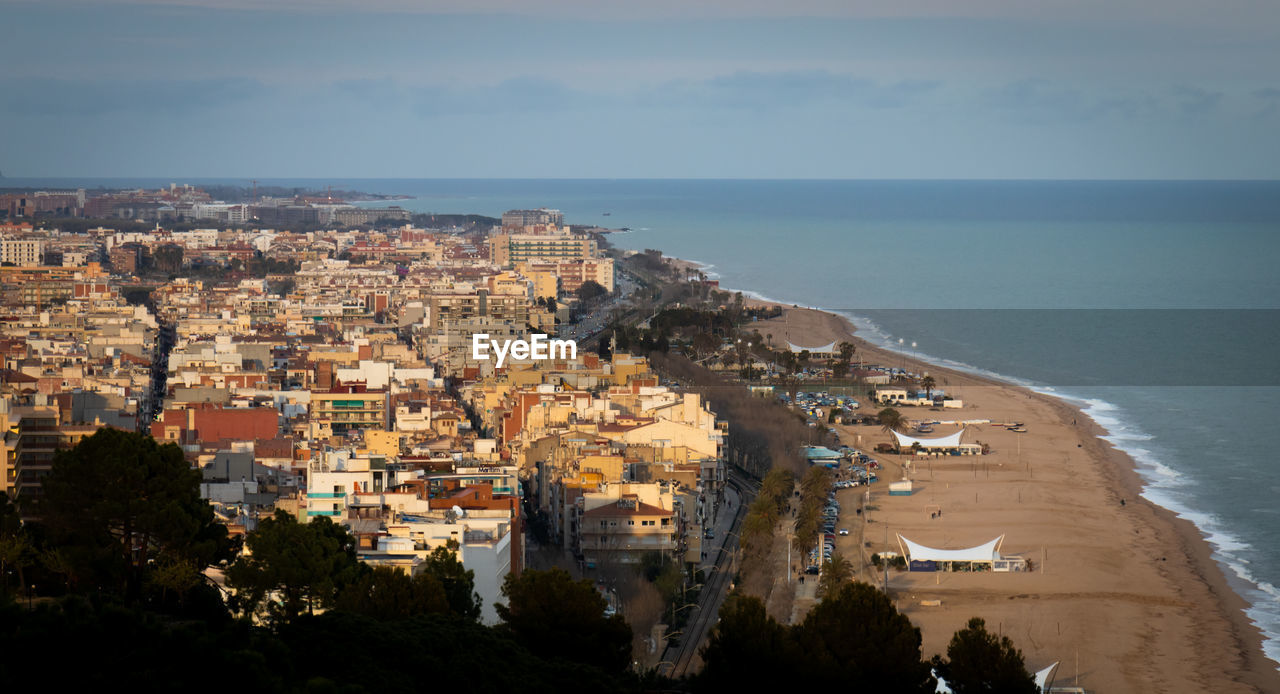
(1126,594)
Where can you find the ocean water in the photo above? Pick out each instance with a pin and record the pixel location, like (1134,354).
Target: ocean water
(1155,306)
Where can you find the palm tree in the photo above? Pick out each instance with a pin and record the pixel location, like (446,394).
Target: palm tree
(836,572)
(928,383)
(891,419)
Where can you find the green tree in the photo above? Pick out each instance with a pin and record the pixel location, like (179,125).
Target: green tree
(749,651)
(282,287)
(928,384)
(890,419)
(387,593)
(168,258)
(816,483)
(836,572)
(16,550)
(293,567)
(459,583)
(777,487)
(979,661)
(590,291)
(118,502)
(555,616)
(856,640)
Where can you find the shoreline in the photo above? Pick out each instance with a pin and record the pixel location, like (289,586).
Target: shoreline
(1216,641)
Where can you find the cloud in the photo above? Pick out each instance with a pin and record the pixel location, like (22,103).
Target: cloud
(1195,101)
(57,97)
(761,90)
(1041,101)
(524,94)
(740,90)
(1269,103)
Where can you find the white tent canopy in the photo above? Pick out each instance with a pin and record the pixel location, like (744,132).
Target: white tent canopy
(829,348)
(985,552)
(1042,677)
(948,441)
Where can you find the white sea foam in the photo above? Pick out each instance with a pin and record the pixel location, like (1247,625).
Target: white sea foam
(870,331)
(704,268)
(1172,490)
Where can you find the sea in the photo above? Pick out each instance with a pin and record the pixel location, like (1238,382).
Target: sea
(1152,305)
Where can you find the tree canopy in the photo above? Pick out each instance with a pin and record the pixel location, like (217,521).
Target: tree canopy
(856,638)
(386,593)
(458,582)
(118,504)
(555,616)
(836,572)
(853,640)
(591,290)
(749,651)
(890,419)
(293,567)
(979,661)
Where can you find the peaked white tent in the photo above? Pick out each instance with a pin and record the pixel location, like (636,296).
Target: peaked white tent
(984,553)
(1042,677)
(948,441)
(829,348)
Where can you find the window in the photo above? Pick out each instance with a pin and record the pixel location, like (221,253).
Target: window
(631,522)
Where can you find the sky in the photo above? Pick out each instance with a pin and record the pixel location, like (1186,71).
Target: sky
(934,89)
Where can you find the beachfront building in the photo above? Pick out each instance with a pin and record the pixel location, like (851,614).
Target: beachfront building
(891,396)
(560,245)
